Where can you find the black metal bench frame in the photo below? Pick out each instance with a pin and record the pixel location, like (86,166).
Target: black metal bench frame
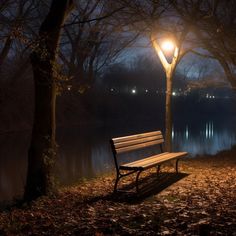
(139,169)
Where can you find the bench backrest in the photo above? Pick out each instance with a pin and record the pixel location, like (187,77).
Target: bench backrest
(137,141)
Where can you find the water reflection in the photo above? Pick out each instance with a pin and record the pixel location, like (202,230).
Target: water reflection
(209,130)
(13,161)
(85,152)
(173,132)
(206,140)
(186,132)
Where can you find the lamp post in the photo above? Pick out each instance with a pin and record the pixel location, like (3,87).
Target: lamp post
(169,68)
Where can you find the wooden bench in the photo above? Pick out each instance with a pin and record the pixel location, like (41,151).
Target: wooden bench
(138,141)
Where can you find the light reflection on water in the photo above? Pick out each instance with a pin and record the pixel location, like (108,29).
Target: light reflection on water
(206,140)
(85,152)
(209,130)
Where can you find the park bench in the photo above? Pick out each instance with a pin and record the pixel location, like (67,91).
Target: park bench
(139,141)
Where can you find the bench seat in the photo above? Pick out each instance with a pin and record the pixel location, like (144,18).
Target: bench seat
(152,161)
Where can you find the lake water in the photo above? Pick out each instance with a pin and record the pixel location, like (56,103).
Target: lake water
(84,152)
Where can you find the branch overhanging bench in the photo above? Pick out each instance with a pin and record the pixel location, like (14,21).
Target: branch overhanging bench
(139,141)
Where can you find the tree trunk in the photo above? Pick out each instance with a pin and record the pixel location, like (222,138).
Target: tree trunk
(5,51)
(228,72)
(169,69)
(168,114)
(42,150)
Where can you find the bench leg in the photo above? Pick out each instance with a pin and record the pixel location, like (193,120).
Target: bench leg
(176,166)
(116,183)
(119,176)
(158,169)
(137,188)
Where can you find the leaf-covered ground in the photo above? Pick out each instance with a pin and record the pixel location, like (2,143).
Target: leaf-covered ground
(201,200)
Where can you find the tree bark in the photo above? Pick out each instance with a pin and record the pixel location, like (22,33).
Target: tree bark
(228,72)
(5,50)
(168,114)
(169,69)
(42,151)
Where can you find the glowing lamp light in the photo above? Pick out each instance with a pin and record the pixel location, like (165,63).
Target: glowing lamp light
(168,46)
(133,91)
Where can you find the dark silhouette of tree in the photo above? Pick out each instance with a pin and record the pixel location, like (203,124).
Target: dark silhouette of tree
(213,24)
(15,20)
(42,151)
(46,72)
(88,47)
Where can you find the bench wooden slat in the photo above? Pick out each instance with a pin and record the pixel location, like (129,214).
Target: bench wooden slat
(152,161)
(136,136)
(171,156)
(138,146)
(137,141)
(146,159)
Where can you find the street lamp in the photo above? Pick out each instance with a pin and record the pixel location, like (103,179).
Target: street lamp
(167,46)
